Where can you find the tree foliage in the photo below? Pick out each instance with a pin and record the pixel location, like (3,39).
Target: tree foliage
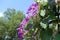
(10,22)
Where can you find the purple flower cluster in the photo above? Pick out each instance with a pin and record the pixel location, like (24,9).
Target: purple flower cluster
(32,11)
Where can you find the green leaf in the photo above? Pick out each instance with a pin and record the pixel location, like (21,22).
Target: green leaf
(57,37)
(46,34)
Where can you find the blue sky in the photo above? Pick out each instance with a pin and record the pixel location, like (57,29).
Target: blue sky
(22,5)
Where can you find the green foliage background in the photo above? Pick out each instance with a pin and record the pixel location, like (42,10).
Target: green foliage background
(10,22)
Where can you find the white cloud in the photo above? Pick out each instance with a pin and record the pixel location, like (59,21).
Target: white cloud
(1,14)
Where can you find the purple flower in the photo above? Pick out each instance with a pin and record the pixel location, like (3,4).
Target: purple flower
(29,9)
(33,7)
(34,4)
(20,28)
(32,11)
(20,34)
(27,19)
(23,22)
